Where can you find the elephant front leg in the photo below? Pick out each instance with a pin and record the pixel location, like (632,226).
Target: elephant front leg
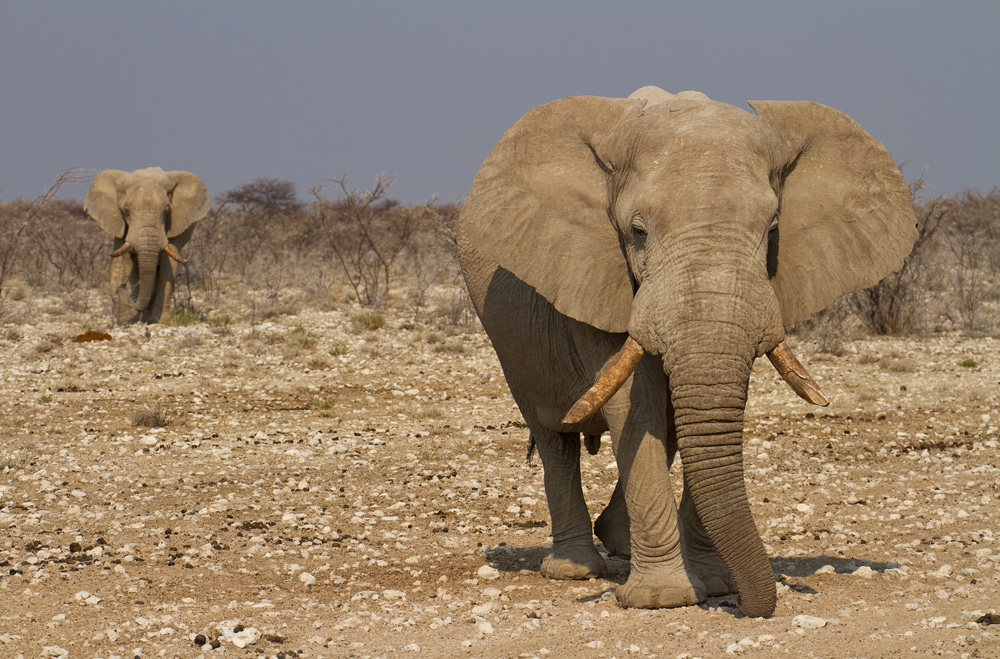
(700,554)
(123,281)
(659,577)
(574,555)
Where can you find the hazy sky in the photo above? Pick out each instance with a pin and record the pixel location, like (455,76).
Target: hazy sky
(422,90)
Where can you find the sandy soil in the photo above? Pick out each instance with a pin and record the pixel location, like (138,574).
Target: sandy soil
(367,496)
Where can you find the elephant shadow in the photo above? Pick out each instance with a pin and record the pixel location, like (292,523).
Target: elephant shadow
(804,566)
(787,570)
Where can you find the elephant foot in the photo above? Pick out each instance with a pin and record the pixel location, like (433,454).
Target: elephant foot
(707,565)
(581,561)
(660,590)
(612,529)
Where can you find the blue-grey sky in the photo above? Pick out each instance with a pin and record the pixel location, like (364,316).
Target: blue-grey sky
(307,91)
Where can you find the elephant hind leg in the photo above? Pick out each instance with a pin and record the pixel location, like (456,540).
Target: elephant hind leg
(573,555)
(612,526)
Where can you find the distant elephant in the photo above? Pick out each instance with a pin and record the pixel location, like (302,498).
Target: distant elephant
(151,214)
(629,260)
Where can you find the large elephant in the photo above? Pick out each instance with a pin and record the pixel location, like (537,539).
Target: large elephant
(151,214)
(637,255)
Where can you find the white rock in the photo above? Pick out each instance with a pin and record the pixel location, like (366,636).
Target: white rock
(488,572)
(486,608)
(393,594)
(54,652)
(484,627)
(864,572)
(595,644)
(808,622)
(248,636)
(734,648)
(307,578)
(826,569)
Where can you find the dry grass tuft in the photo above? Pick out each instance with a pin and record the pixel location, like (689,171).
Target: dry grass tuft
(148,417)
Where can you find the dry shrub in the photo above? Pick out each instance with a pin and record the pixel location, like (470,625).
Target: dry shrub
(148,417)
(898,365)
(17,453)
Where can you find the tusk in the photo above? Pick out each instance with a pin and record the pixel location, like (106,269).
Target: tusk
(795,374)
(121,250)
(174,254)
(610,381)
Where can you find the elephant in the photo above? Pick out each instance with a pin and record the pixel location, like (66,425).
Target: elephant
(630,259)
(151,215)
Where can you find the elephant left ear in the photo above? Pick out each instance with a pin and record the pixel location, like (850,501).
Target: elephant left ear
(189,202)
(846,216)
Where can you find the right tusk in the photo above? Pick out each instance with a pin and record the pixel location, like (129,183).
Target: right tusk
(795,374)
(610,381)
(121,250)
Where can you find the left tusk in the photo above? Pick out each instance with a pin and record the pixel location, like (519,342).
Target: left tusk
(795,374)
(610,382)
(121,250)
(174,254)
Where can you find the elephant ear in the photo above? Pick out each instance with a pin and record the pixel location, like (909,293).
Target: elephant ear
(539,208)
(189,202)
(101,202)
(846,216)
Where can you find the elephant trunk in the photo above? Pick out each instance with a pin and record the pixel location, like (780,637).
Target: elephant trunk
(709,395)
(148,243)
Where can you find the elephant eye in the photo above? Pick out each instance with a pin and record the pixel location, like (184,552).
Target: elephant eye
(638,227)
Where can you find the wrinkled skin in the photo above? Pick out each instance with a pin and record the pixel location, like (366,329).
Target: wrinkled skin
(153,212)
(700,230)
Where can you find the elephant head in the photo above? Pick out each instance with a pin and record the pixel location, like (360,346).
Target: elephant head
(701,230)
(149,212)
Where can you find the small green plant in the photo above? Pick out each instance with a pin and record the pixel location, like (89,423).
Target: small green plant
(182,317)
(969,362)
(369,320)
(301,336)
(340,349)
(46,398)
(148,417)
(324,403)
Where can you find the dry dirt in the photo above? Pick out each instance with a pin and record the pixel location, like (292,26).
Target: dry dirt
(368,496)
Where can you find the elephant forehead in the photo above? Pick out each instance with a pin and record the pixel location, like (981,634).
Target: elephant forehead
(151,177)
(702,136)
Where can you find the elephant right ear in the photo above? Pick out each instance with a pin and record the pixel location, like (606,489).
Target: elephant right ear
(101,202)
(539,209)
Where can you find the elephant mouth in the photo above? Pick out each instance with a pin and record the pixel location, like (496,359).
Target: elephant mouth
(169,249)
(624,363)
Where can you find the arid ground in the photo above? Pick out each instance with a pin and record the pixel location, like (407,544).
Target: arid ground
(332,491)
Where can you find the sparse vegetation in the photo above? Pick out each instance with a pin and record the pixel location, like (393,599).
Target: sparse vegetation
(302,337)
(369,320)
(339,349)
(969,362)
(46,398)
(183,316)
